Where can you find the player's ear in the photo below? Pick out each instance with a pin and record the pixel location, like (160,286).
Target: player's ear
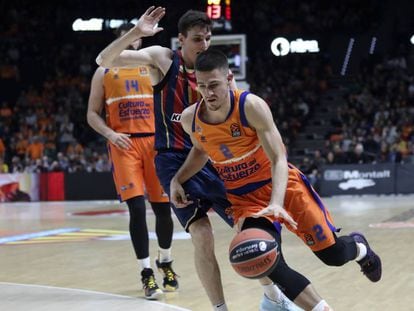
(181,38)
(230,77)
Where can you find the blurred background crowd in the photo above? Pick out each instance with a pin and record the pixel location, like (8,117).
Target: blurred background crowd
(363,116)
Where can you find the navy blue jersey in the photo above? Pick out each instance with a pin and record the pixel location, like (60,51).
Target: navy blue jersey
(172,95)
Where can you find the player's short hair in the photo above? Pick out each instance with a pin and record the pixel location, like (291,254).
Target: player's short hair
(212,59)
(193,18)
(123,27)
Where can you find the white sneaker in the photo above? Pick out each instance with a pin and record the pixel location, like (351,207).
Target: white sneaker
(285,305)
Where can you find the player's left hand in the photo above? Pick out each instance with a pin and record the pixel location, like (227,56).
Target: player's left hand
(177,194)
(147,24)
(279,212)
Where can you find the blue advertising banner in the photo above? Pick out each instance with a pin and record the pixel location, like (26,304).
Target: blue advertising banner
(358,179)
(405,178)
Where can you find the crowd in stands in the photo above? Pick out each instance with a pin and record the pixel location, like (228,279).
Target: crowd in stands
(45,87)
(45,90)
(376,124)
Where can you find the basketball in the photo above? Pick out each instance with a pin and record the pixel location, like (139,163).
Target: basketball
(253,253)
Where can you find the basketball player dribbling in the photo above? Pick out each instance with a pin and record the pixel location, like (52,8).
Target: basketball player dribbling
(236,131)
(174,87)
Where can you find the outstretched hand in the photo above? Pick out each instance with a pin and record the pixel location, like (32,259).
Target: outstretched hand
(147,24)
(279,212)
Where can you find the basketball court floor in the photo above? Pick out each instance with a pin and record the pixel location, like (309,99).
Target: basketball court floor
(78,256)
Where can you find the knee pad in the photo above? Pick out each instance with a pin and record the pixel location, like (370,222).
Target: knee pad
(340,253)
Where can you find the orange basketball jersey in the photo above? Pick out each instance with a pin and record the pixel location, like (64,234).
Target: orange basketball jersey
(235,151)
(129,100)
(234,147)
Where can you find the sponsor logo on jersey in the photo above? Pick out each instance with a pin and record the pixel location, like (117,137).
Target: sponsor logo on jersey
(126,187)
(309,239)
(134,110)
(235,130)
(176,117)
(115,71)
(238,171)
(143,71)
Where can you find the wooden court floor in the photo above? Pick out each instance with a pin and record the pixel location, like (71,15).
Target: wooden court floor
(77,256)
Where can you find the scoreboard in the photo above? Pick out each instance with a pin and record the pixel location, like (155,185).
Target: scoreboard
(219,12)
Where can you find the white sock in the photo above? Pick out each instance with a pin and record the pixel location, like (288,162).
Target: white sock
(220,307)
(164,254)
(362,251)
(272,292)
(322,306)
(145,263)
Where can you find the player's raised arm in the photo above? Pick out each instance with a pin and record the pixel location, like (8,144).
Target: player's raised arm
(115,55)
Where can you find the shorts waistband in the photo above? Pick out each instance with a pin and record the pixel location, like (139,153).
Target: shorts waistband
(140,134)
(174,150)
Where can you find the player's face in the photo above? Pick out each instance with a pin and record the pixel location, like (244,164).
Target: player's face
(197,40)
(214,87)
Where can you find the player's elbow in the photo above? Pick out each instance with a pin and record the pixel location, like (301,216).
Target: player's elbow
(99,60)
(103,62)
(90,117)
(278,160)
(202,155)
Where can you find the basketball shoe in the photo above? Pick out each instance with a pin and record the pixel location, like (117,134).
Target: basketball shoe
(371,263)
(284,305)
(151,289)
(170,282)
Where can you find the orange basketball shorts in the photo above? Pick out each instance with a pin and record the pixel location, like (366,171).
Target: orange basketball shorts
(134,170)
(315,225)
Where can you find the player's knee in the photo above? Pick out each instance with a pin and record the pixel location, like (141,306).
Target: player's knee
(161,210)
(334,255)
(136,206)
(202,233)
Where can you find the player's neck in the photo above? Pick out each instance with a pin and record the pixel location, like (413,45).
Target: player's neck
(217,116)
(187,63)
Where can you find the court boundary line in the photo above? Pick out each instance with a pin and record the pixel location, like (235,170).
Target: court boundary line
(86,291)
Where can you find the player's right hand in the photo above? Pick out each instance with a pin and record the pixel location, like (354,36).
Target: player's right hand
(120,140)
(147,24)
(279,212)
(177,194)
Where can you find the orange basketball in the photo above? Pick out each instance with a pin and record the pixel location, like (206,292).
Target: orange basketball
(253,253)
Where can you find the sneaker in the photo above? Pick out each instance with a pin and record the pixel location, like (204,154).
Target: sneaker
(151,289)
(285,305)
(371,263)
(170,282)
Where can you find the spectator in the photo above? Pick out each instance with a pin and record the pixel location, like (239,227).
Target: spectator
(35,149)
(2,149)
(4,168)
(17,166)
(358,156)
